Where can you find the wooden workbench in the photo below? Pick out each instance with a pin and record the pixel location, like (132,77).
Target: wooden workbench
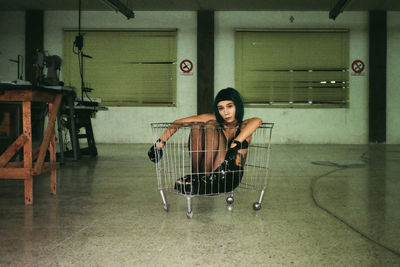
(33,160)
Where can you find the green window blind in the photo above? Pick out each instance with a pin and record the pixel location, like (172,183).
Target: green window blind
(127,68)
(292,67)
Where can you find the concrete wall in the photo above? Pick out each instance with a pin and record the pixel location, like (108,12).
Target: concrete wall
(131,124)
(393,79)
(12,42)
(347,125)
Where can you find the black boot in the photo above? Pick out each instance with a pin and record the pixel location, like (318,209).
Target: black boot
(187,185)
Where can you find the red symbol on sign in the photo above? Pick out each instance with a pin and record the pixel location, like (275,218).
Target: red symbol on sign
(357,66)
(186,66)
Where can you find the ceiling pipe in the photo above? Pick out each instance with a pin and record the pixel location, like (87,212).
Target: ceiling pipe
(117,5)
(338,8)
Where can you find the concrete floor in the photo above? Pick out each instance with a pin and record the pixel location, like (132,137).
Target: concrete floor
(108,212)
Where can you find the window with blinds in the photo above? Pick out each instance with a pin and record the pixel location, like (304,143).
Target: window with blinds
(292,67)
(127,68)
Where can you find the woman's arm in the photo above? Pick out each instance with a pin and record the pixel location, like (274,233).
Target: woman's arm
(248,128)
(237,153)
(177,123)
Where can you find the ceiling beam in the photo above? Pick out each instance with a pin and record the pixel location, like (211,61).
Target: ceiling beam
(338,8)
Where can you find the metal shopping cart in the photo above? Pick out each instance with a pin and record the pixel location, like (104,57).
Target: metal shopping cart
(179,168)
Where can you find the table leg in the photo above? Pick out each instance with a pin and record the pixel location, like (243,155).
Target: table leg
(73,131)
(53,173)
(27,129)
(60,138)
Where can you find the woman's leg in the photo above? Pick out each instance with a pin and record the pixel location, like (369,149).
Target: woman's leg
(196,147)
(189,184)
(215,147)
(221,177)
(207,146)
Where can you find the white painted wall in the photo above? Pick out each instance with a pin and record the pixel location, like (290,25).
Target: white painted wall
(310,126)
(12,42)
(132,124)
(393,78)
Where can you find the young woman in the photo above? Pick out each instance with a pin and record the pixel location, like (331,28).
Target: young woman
(218,145)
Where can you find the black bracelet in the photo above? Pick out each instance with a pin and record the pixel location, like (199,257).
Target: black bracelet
(238,144)
(159,140)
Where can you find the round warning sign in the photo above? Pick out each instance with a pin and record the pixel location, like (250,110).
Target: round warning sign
(357,66)
(186,66)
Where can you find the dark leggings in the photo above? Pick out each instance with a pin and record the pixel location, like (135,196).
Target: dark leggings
(207,146)
(210,173)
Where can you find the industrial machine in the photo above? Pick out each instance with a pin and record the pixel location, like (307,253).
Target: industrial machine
(52,65)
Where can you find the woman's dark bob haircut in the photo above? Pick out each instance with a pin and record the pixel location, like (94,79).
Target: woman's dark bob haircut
(233,95)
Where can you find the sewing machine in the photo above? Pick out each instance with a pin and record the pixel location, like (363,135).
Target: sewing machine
(52,63)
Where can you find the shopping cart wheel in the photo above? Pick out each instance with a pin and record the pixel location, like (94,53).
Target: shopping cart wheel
(256,206)
(189,215)
(166,207)
(229,200)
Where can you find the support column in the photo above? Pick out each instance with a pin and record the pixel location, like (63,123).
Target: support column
(33,41)
(205,61)
(377,76)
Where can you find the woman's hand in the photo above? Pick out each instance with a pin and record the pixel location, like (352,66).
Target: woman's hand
(232,151)
(155,152)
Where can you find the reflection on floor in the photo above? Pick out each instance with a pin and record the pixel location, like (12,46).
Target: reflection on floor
(108,212)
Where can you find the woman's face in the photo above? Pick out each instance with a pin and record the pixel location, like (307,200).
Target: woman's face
(227,110)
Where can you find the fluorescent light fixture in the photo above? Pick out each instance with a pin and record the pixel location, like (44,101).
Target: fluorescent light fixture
(338,8)
(117,5)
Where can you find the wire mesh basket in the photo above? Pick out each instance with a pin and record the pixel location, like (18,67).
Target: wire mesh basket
(193,162)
